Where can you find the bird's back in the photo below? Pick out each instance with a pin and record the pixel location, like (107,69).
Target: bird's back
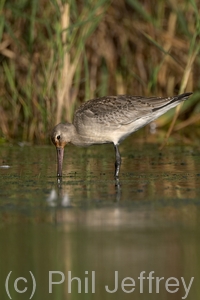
(120,115)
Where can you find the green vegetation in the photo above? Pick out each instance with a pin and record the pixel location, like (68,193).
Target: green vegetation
(56,54)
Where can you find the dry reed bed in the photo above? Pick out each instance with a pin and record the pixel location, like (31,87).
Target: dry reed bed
(55,56)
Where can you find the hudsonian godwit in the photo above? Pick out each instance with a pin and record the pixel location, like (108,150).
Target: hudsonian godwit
(110,119)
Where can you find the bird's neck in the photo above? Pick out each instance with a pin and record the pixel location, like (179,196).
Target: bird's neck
(80,140)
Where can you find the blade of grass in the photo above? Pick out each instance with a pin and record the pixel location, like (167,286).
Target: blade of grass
(182,88)
(141,11)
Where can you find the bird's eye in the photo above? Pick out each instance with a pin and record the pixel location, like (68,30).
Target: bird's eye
(58,137)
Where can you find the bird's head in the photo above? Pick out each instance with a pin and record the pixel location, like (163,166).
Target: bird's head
(60,136)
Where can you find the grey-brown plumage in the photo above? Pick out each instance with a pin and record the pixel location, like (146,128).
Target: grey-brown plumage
(110,119)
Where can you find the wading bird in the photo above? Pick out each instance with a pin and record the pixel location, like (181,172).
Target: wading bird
(110,119)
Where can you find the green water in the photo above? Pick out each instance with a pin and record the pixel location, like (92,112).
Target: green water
(101,231)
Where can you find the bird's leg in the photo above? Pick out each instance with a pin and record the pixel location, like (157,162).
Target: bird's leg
(117,189)
(117,161)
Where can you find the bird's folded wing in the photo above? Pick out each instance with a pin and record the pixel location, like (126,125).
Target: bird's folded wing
(116,111)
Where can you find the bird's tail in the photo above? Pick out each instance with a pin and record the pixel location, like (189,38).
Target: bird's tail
(182,97)
(173,101)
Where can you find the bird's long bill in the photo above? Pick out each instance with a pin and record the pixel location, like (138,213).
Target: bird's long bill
(60,154)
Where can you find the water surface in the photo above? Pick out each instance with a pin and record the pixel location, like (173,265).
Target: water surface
(148,221)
